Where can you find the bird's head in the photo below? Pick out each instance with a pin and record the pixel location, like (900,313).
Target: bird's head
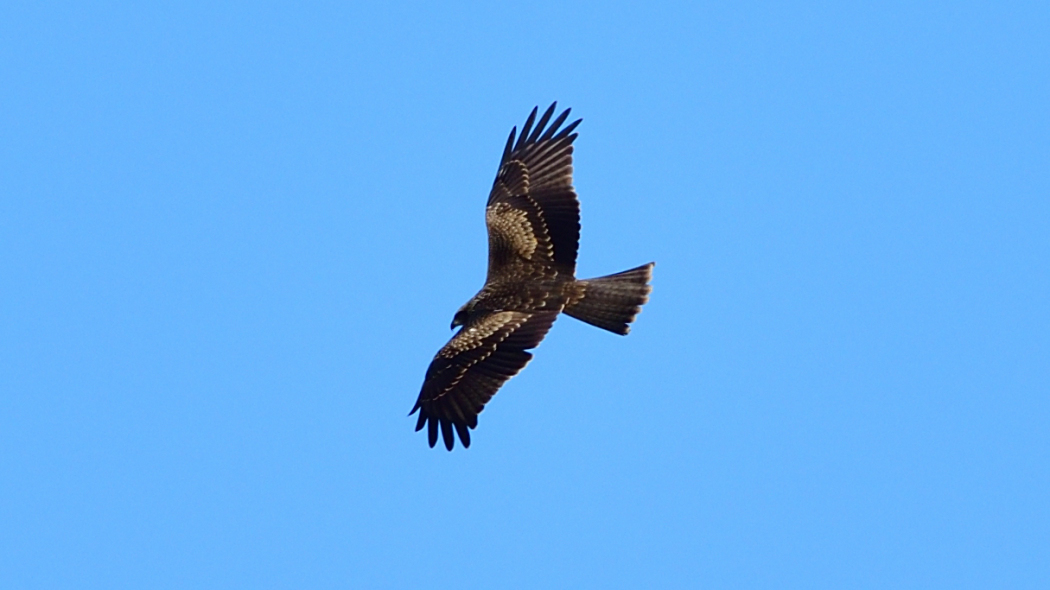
(460,318)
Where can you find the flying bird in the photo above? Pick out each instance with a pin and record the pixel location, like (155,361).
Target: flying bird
(533,221)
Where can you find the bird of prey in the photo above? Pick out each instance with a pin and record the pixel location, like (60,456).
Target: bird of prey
(533,221)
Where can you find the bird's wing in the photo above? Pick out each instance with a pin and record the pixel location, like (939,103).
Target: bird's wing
(533,216)
(468,371)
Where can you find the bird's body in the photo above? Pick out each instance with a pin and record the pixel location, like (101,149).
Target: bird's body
(534,229)
(533,295)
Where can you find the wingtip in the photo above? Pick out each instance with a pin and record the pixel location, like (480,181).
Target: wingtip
(446,434)
(432,431)
(464,434)
(526,128)
(569,128)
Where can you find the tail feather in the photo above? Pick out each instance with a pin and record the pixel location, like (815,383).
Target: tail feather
(612,302)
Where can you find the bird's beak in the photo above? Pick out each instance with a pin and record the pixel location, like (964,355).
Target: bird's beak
(454,324)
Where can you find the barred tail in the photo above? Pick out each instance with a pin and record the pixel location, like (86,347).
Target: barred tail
(612,302)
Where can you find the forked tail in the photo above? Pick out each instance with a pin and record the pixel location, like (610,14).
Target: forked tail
(612,302)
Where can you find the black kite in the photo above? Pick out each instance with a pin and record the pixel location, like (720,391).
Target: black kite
(533,221)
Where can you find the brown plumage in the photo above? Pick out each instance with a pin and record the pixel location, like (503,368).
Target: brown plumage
(533,221)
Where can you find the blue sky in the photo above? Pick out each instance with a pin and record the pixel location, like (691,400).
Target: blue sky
(234,235)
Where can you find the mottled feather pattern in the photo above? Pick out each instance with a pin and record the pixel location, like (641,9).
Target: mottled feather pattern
(468,371)
(474,343)
(539,167)
(518,237)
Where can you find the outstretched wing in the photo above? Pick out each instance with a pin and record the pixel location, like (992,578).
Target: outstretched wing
(468,371)
(533,216)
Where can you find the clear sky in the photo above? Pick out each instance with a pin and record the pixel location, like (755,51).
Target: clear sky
(233,236)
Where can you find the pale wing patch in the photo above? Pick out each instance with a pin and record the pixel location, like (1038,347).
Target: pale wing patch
(473,335)
(511,229)
(477,338)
